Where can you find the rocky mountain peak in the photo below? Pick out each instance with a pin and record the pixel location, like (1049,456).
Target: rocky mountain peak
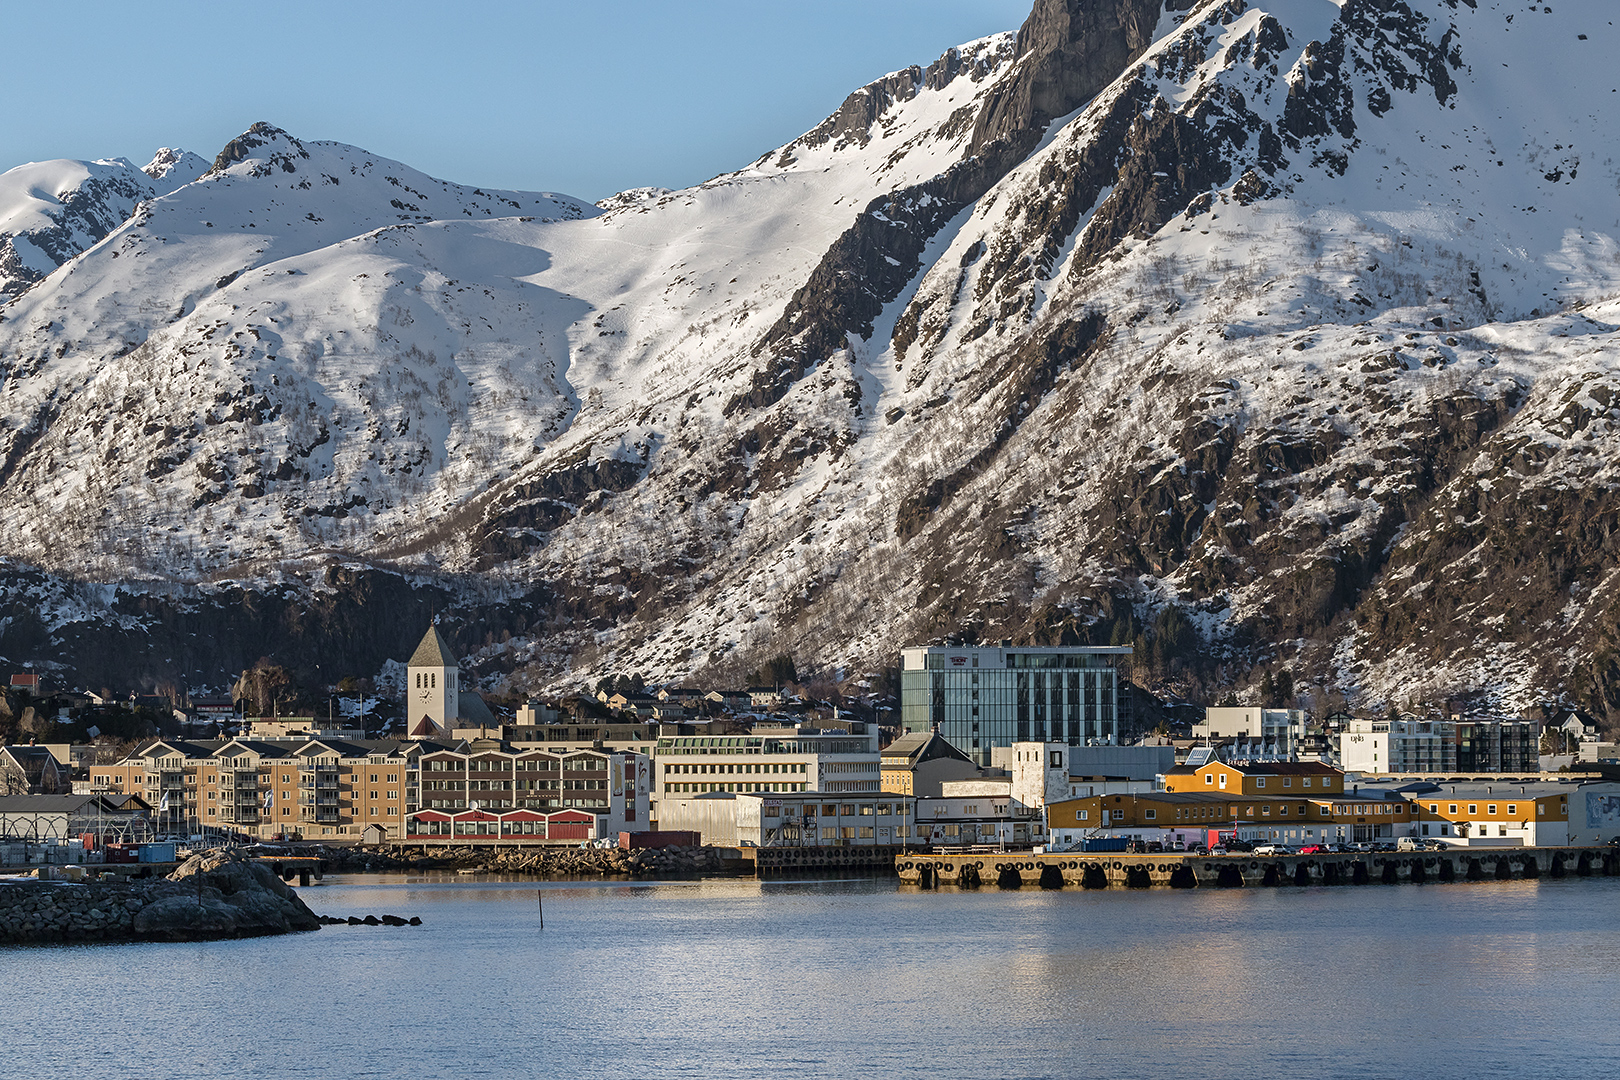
(1067,51)
(174,168)
(268,147)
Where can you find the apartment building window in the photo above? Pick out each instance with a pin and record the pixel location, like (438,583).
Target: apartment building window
(1259,781)
(1150,814)
(1288,781)
(1306,782)
(1512,809)
(1491,809)
(1473,809)
(1452,808)
(1209,779)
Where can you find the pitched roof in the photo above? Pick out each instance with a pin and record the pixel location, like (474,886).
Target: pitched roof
(424,726)
(432,652)
(474,711)
(919,746)
(46,804)
(1260,768)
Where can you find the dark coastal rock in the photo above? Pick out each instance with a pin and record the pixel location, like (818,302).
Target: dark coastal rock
(186,918)
(213,895)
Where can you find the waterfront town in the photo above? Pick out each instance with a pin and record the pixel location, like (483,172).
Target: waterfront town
(1003,748)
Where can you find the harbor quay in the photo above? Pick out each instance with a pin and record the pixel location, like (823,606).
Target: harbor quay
(1111,870)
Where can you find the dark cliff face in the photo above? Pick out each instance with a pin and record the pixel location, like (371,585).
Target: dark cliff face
(1068,50)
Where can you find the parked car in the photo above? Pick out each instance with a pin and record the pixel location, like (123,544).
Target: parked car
(1313,849)
(1239,845)
(1273,849)
(1217,850)
(1383,846)
(1408,843)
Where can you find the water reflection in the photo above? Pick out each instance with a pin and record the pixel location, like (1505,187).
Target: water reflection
(737,978)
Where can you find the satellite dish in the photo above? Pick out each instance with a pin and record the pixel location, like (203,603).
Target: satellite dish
(92,731)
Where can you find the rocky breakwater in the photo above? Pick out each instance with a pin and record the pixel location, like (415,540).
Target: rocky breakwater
(555,861)
(211,896)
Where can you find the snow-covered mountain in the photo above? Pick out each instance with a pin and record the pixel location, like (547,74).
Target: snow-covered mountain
(1263,334)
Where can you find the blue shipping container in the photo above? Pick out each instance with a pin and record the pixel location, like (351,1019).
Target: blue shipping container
(1106,843)
(157,853)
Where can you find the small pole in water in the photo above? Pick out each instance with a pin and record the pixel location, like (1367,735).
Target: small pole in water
(540,897)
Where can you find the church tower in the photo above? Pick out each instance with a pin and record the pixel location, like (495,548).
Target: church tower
(432,690)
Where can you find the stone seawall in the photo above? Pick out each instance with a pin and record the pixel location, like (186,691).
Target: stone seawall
(207,898)
(539,861)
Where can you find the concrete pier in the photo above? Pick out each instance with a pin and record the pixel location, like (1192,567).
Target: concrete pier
(789,862)
(1108,870)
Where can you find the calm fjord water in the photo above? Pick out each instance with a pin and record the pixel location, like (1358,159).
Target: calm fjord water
(723,979)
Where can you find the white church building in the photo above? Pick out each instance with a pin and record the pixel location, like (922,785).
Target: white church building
(435,705)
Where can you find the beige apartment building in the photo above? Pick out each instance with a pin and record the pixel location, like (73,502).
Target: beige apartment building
(306,788)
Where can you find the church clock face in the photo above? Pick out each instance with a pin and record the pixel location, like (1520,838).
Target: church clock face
(427,695)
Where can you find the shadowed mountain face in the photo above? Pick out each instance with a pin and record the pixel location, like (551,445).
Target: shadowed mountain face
(1260,335)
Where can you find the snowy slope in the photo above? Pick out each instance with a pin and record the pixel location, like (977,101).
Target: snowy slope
(1264,335)
(52,210)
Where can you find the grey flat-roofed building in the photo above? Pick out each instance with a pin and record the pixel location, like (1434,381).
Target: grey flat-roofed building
(981,697)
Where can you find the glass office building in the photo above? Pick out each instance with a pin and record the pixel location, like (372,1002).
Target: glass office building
(983,697)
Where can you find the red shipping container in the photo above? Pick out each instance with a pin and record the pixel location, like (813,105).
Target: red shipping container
(672,838)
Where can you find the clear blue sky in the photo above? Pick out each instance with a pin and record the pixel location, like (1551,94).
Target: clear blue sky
(586,97)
